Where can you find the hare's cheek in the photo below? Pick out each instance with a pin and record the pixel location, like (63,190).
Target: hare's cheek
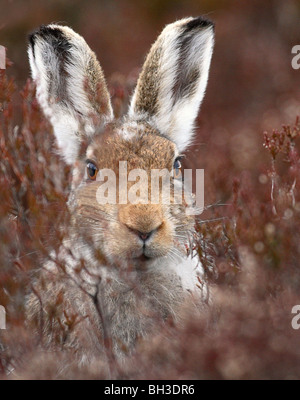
(163,239)
(118,242)
(78,175)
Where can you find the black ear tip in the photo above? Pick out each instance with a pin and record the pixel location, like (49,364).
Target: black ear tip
(52,34)
(199,22)
(31,39)
(37,32)
(45,31)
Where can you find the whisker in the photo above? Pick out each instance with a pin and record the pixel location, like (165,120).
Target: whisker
(212,220)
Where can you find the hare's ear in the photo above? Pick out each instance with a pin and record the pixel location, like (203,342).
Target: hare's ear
(71,88)
(174,78)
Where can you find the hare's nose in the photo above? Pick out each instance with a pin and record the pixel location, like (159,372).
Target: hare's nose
(144,236)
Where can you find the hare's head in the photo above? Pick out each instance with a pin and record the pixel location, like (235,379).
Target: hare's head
(158,127)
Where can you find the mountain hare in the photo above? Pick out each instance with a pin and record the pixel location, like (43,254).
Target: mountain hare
(125,266)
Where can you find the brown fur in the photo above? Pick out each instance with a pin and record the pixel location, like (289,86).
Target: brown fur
(109,286)
(133,307)
(149,82)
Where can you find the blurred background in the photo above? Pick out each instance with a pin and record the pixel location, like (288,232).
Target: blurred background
(252,85)
(252,89)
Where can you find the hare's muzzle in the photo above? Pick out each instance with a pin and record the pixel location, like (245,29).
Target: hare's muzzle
(142,219)
(146,228)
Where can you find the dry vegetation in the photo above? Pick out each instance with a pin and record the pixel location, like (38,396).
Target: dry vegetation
(248,144)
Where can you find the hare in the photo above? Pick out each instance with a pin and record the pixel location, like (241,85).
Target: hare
(124,267)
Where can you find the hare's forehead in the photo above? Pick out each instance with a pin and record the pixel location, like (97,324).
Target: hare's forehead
(141,147)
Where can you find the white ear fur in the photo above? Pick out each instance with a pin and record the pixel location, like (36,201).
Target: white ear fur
(71,88)
(172,83)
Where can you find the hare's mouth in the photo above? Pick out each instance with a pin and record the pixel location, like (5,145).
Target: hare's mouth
(143,258)
(148,252)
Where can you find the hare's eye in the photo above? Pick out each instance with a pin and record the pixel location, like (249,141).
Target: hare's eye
(177,167)
(92,170)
